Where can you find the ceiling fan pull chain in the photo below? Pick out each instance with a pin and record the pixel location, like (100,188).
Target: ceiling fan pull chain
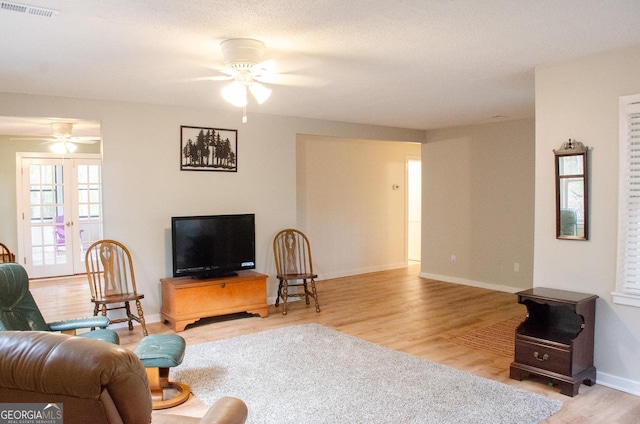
(244,115)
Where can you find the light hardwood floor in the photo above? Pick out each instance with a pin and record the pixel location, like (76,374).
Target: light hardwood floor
(396,309)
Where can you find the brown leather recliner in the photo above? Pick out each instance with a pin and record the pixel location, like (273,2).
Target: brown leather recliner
(95,381)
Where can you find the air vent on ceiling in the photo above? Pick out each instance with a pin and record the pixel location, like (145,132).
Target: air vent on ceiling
(29,10)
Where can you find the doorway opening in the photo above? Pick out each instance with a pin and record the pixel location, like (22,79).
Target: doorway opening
(50,177)
(414,210)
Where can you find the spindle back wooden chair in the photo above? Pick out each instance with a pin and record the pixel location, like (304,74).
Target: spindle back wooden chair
(5,254)
(292,252)
(113,282)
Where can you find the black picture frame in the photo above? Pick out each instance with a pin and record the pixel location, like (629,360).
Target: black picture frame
(208,149)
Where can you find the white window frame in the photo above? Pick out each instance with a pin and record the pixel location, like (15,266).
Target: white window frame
(627,291)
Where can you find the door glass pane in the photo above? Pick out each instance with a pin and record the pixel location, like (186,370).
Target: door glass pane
(82,174)
(47,174)
(36,236)
(94,193)
(35,197)
(50,255)
(35,213)
(94,174)
(47,197)
(37,255)
(83,196)
(34,174)
(48,232)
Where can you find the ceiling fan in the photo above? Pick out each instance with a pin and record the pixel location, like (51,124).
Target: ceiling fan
(244,65)
(63,141)
(249,72)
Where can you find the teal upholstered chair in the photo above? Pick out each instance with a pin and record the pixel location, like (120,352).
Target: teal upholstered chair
(157,352)
(19,312)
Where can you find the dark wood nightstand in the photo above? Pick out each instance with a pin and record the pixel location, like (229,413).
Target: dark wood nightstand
(555,341)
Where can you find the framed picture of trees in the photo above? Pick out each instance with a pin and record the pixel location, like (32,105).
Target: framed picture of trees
(208,149)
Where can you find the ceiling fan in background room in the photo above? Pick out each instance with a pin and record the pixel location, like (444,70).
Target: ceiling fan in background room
(61,138)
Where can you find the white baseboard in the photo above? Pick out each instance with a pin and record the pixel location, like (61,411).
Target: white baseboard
(339,274)
(348,273)
(465,282)
(618,383)
(272,300)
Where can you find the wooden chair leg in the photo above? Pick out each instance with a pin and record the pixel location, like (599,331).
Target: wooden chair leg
(279,293)
(127,309)
(306,291)
(315,295)
(141,318)
(96,309)
(285,295)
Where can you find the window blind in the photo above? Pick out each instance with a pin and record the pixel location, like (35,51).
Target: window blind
(628,279)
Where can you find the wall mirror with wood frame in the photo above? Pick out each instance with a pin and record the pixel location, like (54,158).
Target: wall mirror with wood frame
(572,212)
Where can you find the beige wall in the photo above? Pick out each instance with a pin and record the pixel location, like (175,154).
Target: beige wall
(144,187)
(477,204)
(579,99)
(347,206)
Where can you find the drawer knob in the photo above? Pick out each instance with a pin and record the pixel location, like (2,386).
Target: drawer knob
(222,285)
(537,356)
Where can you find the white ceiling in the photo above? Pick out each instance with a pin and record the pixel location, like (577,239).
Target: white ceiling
(406,63)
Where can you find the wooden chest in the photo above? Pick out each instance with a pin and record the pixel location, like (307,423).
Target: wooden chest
(186,300)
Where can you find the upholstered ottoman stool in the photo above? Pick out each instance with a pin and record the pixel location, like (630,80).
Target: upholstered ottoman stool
(158,353)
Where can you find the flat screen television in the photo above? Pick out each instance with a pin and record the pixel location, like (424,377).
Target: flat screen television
(212,246)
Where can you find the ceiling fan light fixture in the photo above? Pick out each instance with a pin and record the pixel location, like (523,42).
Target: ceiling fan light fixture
(260,92)
(63,147)
(236,94)
(243,59)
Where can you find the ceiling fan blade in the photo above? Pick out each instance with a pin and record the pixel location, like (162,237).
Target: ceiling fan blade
(32,138)
(84,140)
(220,78)
(294,80)
(78,140)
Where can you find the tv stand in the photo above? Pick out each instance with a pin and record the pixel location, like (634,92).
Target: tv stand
(211,277)
(185,300)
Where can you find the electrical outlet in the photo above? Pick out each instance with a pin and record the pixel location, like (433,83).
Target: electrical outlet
(452,259)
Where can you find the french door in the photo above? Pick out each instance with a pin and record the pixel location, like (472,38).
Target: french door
(59,212)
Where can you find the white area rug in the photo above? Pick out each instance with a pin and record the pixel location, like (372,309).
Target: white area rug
(313,374)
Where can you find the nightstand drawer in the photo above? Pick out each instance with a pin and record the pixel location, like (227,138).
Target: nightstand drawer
(543,356)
